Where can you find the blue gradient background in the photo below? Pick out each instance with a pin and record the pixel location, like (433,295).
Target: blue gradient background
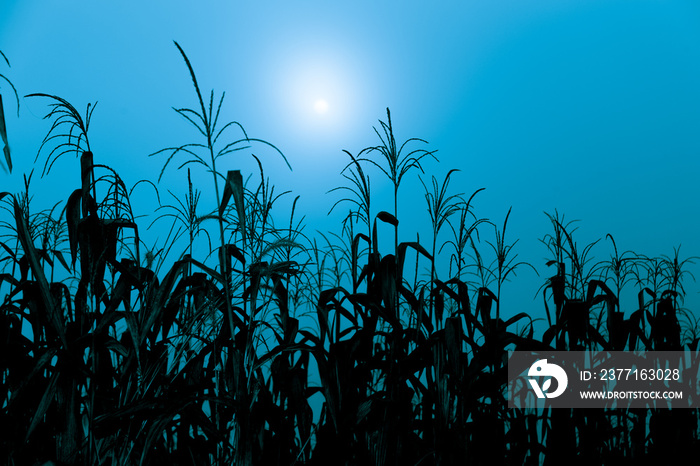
(588,107)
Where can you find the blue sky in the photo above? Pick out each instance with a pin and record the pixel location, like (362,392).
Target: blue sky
(588,107)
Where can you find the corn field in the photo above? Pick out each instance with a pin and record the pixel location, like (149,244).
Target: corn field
(244,340)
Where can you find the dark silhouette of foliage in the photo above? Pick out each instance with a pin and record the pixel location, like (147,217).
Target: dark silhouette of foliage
(267,347)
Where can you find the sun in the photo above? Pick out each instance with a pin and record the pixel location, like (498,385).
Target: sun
(321,106)
(317,90)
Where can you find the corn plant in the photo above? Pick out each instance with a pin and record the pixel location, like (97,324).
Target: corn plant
(3,127)
(189,352)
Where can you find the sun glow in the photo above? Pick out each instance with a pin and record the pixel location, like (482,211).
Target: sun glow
(321,106)
(311,87)
(317,91)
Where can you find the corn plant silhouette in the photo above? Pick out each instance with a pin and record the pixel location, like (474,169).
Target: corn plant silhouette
(212,346)
(3,127)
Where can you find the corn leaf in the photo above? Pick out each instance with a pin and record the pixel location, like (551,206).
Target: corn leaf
(3,136)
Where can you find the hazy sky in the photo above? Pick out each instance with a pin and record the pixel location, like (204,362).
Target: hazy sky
(588,107)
